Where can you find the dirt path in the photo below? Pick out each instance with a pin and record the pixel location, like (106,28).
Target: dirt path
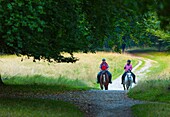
(98,103)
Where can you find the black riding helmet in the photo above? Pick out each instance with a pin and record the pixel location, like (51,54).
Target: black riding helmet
(103,59)
(129,61)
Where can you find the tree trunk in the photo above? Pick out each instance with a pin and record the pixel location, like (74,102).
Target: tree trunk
(1,82)
(159,46)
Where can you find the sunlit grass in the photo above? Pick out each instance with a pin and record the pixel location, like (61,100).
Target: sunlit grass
(85,69)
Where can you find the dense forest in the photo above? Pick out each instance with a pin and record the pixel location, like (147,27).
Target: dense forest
(47,28)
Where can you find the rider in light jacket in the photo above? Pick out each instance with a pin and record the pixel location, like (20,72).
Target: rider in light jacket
(128,67)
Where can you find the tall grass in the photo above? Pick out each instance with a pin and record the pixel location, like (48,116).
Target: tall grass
(85,69)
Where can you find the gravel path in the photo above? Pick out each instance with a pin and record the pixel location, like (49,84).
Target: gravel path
(98,103)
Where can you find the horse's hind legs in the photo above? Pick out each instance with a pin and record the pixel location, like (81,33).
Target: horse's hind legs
(124,87)
(106,87)
(101,87)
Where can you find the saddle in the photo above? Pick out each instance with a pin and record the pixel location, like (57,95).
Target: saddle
(103,72)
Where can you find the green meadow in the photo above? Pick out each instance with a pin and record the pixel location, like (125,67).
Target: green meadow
(154,88)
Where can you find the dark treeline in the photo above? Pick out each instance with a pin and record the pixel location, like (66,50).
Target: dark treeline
(46,28)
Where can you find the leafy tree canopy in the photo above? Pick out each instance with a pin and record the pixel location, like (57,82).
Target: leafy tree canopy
(47,28)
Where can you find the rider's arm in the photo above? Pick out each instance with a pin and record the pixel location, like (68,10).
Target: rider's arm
(100,66)
(107,66)
(124,67)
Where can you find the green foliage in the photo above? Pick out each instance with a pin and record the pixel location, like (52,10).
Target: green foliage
(45,29)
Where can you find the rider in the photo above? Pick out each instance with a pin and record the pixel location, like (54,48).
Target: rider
(128,67)
(104,67)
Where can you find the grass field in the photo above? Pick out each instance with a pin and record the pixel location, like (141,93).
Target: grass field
(41,78)
(85,70)
(156,87)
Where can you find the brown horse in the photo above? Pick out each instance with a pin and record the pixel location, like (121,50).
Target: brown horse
(104,80)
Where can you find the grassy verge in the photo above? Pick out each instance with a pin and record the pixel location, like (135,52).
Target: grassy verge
(31,85)
(156,87)
(151,110)
(16,107)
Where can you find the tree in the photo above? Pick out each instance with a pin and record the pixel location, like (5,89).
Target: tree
(47,28)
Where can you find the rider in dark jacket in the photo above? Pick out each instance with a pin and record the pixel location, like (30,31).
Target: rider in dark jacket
(104,67)
(128,67)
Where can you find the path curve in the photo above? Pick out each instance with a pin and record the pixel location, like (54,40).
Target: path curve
(99,103)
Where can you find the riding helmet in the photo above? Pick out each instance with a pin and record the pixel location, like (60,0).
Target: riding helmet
(129,61)
(103,59)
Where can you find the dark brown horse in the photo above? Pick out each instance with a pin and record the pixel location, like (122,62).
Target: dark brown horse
(104,80)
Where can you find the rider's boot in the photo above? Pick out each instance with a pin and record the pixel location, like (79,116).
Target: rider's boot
(134,80)
(98,77)
(122,80)
(98,80)
(110,80)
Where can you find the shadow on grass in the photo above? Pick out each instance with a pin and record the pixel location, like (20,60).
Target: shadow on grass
(40,85)
(18,107)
